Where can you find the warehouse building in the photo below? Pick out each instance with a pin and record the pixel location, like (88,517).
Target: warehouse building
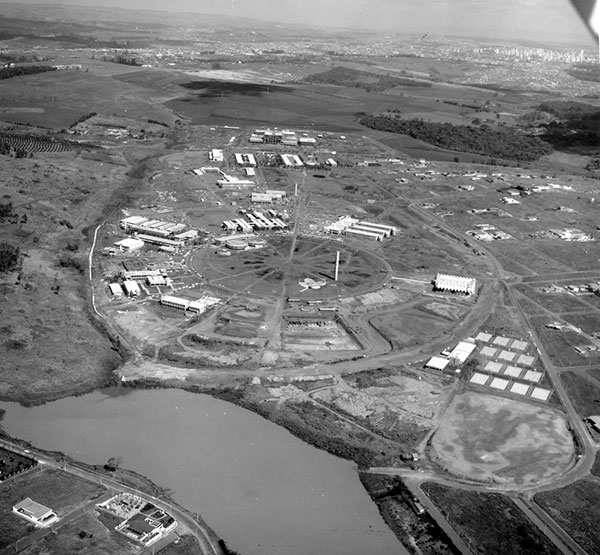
(129,244)
(40,515)
(245,160)
(161,241)
(455,284)
(131,288)
(231,182)
(291,160)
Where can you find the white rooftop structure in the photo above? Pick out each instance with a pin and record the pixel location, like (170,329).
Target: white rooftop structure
(512,371)
(216,155)
(479,379)
(437,363)
(462,351)
(499,383)
(115,289)
(130,244)
(485,337)
(493,367)
(131,288)
(507,355)
(36,513)
(519,388)
(489,352)
(540,393)
(456,284)
(525,360)
(532,376)
(519,345)
(502,341)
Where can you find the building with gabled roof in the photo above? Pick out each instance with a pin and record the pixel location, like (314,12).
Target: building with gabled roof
(455,284)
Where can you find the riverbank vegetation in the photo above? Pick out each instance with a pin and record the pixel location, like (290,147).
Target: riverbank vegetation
(419,532)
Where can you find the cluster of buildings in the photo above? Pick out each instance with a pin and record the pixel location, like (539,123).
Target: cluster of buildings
(285,137)
(168,236)
(455,284)
(142,521)
(269,196)
(197,306)
(347,225)
(488,233)
(255,220)
(131,278)
(229,182)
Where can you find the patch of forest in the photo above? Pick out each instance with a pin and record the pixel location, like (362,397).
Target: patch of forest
(348,77)
(502,142)
(576,124)
(15,71)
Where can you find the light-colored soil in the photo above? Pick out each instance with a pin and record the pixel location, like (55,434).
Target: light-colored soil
(495,439)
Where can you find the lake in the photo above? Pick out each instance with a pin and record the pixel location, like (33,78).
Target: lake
(260,488)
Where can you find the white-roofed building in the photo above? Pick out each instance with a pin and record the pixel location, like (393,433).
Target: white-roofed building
(129,244)
(462,351)
(36,513)
(455,284)
(437,363)
(131,288)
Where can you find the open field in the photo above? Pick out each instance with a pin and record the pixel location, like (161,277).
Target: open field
(584,394)
(489,521)
(559,344)
(576,508)
(60,491)
(502,440)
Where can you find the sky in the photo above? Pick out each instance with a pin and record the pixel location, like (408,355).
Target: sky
(544,20)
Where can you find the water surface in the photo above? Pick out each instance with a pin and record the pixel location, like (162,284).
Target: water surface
(261,489)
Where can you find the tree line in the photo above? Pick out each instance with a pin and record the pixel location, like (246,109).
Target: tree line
(507,143)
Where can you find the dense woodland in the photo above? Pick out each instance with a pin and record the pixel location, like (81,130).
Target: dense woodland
(574,124)
(15,71)
(503,142)
(348,77)
(9,257)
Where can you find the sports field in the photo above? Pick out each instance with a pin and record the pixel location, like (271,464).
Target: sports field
(494,439)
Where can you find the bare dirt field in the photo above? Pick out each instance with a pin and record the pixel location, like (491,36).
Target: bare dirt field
(494,439)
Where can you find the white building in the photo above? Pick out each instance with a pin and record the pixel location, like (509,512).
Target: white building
(115,289)
(455,284)
(34,512)
(216,155)
(129,244)
(131,288)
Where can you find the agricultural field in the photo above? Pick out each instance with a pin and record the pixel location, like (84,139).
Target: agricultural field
(490,521)
(502,440)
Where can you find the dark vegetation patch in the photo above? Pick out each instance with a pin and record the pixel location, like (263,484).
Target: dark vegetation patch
(348,77)
(15,71)
(9,257)
(576,508)
(505,143)
(577,124)
(419,533)
(490,521)
(216,89)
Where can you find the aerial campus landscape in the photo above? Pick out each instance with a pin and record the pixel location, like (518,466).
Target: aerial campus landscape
(277,286)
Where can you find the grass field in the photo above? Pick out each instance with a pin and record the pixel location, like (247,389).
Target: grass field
(489,521)
(492,438)
(576,508)
(584,394)
(559,343)
(60,491)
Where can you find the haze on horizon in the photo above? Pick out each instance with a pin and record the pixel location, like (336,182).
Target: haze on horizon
(553,21)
